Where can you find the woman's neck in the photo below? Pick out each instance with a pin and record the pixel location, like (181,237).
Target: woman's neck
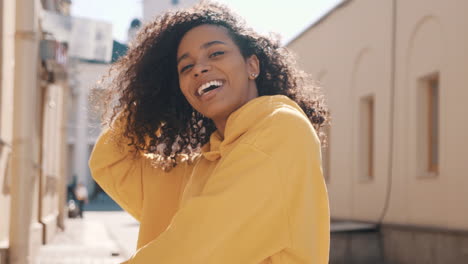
(220,125)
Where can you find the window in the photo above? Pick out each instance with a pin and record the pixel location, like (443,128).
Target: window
(366,138)
(429,124)
(175,2)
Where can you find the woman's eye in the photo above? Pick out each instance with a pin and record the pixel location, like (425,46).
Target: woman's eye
(216,53)
(185,68)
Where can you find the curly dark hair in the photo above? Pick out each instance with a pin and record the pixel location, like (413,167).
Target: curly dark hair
(143,87)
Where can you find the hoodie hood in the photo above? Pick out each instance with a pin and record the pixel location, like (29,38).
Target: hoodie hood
(244,119)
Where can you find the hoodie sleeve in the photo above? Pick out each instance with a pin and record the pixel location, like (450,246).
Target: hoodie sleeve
(242,214)
(118,171)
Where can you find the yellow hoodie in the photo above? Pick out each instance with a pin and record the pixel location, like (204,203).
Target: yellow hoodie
(256,196)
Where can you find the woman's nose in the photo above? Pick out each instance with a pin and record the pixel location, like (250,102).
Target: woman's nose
(200,69)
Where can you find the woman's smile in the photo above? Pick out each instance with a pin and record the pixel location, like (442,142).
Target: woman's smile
(209,86)
(209,94)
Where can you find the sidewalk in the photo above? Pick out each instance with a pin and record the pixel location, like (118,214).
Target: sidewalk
(106,235)
(83,241)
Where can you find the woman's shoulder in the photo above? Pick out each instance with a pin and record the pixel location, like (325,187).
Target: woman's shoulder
(267,110)
(284,122)
(283,114)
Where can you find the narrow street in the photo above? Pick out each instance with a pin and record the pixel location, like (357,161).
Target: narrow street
(121,228)
(383,84)
(102,236)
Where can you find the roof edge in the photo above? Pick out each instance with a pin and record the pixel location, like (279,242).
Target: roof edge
(333,10)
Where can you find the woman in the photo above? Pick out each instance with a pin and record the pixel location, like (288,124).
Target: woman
(211,145)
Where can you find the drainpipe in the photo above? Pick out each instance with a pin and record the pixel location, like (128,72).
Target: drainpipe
(390,166)
(24,156)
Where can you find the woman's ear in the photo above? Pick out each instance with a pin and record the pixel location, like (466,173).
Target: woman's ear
(253,65)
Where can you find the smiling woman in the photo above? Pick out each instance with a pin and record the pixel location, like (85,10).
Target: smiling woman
(213,75)
(212,145)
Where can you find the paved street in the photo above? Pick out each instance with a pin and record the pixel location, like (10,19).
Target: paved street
(121,227)
(101,237)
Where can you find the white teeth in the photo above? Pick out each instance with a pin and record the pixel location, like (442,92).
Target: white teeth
(208,84)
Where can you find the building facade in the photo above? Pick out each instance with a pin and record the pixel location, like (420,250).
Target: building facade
(394,74)
(33,92)
(84,123)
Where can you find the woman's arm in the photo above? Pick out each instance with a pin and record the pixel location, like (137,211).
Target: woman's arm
(117,170)
(239,217)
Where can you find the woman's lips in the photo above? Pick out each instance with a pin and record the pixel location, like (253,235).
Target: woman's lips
(210,94)
(206,84)
(202,88)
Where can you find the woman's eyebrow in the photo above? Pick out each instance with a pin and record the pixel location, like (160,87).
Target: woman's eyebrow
(204,46)
(211,43)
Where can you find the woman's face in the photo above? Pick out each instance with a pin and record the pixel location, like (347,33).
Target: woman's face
(213,75)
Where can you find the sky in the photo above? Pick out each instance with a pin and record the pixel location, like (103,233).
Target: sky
(287,18)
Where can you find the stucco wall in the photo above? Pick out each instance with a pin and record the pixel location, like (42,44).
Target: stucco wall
(350,53)
(432,38)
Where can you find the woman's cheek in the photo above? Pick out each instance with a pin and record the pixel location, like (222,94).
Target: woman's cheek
(183,88)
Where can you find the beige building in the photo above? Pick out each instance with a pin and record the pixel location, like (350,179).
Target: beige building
(33,89)
(394,73)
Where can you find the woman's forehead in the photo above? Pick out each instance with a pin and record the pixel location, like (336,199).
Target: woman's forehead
(198,36)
